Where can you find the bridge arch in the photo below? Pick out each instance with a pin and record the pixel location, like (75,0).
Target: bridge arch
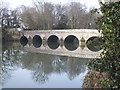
(53,42)
(94,43)
(23,40)
(37,41)
(71,42)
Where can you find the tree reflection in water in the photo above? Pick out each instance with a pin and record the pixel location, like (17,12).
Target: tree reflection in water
(41,65)
(10,61)
(0,70)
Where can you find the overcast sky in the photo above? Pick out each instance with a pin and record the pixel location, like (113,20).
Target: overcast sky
(17,3)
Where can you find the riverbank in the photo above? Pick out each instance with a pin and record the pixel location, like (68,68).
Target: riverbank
(11,35)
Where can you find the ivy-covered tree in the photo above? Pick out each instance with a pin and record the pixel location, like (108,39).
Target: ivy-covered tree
(109,61)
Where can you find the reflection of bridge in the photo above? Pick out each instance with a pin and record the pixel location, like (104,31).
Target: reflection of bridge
(62,51)
(54,42)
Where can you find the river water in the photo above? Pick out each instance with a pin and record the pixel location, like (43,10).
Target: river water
(27,67)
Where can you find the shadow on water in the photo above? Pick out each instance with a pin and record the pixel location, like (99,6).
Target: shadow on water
(53,42)
(71,43)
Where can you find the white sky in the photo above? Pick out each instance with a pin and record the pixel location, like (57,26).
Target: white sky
(17,3)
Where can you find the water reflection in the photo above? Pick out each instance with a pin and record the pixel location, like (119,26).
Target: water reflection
(0,62)
(37,41)
(53,45)
(10,60)
(53,42)
(71,46)
(94,44)
(71,42)
(0,67)
(41,66)
(23,40)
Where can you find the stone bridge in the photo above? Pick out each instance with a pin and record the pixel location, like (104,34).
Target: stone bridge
(61,42)
(62,34)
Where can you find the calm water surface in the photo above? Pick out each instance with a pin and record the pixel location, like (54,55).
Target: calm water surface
(27,69)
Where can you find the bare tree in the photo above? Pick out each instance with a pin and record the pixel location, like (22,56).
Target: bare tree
(61,19)
(76,15)
(39,17)
(45,15)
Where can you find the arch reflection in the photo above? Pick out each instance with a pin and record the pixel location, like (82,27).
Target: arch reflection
(53,42)
(71,42)
(37,41)
(94,43)
(23,40)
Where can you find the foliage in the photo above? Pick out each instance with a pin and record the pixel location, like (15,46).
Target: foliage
(109,61)
(9,19)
